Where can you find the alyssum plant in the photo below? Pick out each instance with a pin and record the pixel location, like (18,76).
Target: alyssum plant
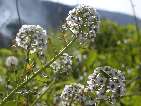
(104,84)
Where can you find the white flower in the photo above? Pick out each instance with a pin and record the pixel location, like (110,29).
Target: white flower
(32,38)
(100,80)
(101,94)
(83,22)
(113,99)
(90,103)
(121,77)
(91,85)
(63,64)
(107,82)
(112,85)
(67,59)
(11,61)
(56,66)
(92,76)
(72,93)
(122,91)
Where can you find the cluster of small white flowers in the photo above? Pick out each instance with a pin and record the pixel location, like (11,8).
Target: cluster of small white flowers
(72,93)
(32,38)
(108,83)
(63,64)
(11,61)
(83,22)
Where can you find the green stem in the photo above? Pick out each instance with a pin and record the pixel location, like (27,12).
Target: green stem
(16,81)
(27,62)
(7,83)
(37,72)
(40,96)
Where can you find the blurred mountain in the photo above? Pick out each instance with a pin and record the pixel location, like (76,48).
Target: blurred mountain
(119,18)
(59,11)
(45,13)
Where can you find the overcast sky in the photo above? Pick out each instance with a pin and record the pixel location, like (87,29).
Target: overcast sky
(122,6)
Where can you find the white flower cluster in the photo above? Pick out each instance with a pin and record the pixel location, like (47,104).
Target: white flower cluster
(72,93)
(11,61)
(83,22)
(33,38)
(63,64)
(108,83)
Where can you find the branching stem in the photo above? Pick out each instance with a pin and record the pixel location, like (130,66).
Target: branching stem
(37,72)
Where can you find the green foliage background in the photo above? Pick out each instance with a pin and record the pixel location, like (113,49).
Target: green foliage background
(115,45)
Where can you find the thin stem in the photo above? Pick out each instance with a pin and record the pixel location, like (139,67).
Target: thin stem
(135,18)
(7,83)
(40,96)
(17,99)
(16,81)
(18,13)
(37,72)
(27,63)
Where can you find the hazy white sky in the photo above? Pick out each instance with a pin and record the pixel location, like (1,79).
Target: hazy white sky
(123,6)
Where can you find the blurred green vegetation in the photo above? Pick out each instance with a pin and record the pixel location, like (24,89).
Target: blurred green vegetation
(115,45)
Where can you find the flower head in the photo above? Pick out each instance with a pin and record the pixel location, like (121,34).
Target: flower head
(72,93)
(32,38)
(83,22)
(108,83)
(11,61)
(63,64)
